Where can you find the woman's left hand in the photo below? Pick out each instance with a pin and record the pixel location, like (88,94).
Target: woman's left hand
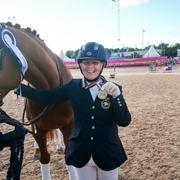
(111,88)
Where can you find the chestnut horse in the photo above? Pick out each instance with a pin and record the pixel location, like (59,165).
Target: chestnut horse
(45,70)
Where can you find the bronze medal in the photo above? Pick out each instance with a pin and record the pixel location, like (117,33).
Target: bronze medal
(102,94)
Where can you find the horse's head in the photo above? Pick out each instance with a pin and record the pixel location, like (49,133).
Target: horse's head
(10,70)
(10,77)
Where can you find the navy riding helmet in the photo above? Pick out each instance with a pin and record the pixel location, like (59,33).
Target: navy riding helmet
(92,51)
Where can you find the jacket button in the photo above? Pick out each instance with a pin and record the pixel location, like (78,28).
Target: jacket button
(92,138)
(119,103)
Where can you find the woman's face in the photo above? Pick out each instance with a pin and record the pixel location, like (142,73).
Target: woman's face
(91,68)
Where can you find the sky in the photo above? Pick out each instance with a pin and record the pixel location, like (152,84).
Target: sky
(68,24)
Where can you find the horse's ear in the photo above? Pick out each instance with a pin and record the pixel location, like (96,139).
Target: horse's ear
(18,26)
(9,24)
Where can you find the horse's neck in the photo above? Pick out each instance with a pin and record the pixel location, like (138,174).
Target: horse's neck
(47,75)
(43,71)
(64,72)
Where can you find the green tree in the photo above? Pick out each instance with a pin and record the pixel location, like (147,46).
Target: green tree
(172,50)
(163,47)
(70,54)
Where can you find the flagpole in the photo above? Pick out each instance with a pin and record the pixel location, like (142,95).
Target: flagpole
(118,23)
(143,31)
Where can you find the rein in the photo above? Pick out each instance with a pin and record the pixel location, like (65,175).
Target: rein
(36,118)
(15,140)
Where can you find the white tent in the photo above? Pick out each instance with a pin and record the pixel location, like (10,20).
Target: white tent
(64,57)
(151,52)
(61,55)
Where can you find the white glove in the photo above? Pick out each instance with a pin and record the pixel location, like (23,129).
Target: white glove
(111,88)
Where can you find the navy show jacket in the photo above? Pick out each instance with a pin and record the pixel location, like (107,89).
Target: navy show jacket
(95,126)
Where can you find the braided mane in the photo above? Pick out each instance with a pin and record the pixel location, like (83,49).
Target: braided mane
(28,29)
(32,33)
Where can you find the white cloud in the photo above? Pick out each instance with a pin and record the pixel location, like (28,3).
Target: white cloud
(126,3)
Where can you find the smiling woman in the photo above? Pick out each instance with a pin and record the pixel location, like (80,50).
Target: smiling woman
(99,108)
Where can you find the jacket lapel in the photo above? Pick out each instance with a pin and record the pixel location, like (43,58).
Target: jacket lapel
(85,93)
